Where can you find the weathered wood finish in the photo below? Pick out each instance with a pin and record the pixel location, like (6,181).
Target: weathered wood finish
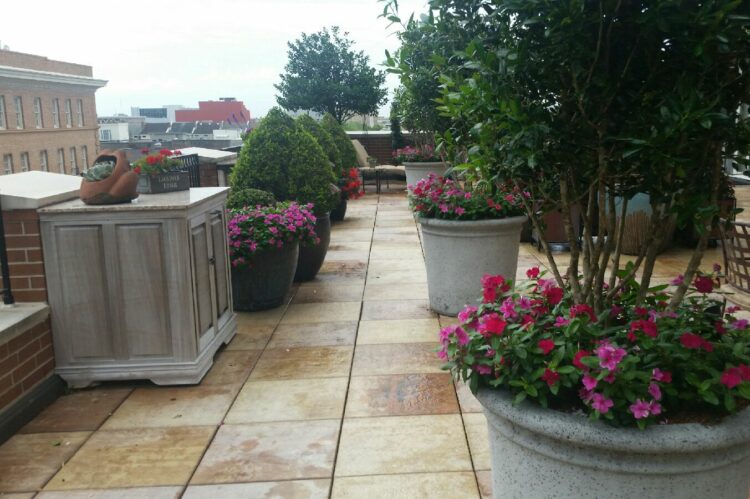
(138,294)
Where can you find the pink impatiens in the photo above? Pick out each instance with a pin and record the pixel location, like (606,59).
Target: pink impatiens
(609,356)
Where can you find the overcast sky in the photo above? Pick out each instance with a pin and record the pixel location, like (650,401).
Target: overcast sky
(179,52)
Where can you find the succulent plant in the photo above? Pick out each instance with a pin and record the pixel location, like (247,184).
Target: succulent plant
(100,171)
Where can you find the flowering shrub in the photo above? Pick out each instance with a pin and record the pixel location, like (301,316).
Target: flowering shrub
(351,185)
(253,229)
(160,162)
(411,154)
(627,365)
(440,197)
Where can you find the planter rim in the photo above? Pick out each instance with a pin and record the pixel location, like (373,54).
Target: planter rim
(424,163)
(488,222)
(657,439)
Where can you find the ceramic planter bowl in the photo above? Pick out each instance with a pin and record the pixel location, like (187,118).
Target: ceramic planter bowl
(311,257)
(119,187)
(458,253)
(417,171)
(339,212)
(541,453)
(266,283)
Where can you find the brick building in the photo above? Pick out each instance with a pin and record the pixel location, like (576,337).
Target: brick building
(47,114)
(226,109)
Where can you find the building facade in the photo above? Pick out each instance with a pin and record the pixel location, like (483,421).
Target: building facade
(47,115)
(225,110)
(163,114)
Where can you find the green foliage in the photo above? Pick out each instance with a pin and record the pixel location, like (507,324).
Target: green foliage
(326,75)
(282,158)
(342,140)
(325,141)
(357,126)
(99,171)
(397,138)
(241,198)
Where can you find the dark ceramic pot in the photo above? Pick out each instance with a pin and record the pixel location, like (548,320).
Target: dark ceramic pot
(311,256)
(338,213)
(265,284)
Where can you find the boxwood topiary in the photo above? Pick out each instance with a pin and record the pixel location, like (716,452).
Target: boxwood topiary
(282,158)
(324,140)
(342,140)
(239,198)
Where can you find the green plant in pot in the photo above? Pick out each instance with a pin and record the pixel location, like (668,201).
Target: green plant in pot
(282,158)
(264,248)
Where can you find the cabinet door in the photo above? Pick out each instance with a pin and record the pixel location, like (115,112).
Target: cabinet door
(220,268)
(203,280)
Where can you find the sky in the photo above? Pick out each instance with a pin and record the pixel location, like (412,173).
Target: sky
(161,52)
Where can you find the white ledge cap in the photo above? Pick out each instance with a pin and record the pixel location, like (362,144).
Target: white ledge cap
(34,189)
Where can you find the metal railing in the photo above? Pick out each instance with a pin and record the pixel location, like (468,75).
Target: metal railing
(6,290)
(191,164)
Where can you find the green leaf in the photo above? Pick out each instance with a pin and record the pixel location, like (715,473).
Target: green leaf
(531,390)
(710,397)
(744,389)
(519,398)
(729,402)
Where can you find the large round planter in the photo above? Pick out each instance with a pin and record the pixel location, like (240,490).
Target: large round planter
(339,212)
(417,171)
(265,284)
(458,253)
(541,453)
(311,257)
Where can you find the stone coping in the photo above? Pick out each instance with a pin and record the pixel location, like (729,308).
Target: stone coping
(18,318)
(35,189)
(167,201)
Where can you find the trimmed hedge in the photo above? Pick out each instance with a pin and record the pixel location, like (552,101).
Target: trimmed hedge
(324,140)
(342,140)
(240,198)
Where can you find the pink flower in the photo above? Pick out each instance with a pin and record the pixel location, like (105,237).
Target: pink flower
(615,311)
(648,327)
(739,324)
(731,377)
(601,404)
(532,273)
(582,309)
(483,370)
(703,284)
(550,377)
(490,285)
(677,281)
(466,314)
(663,376)
(733,309)
(508,308)
(655,408)
(460,211)
(443,208)
(640,409)
(553,295)
(691,341)
(443,354)
(609,356)
(561,321)
(546,345)
(589,382)
(578,356)
(717,267)
(654,391)
(491,324)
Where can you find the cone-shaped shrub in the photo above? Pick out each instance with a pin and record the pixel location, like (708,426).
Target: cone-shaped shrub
(324,140)
(241,198)
(343,142)
(282,158)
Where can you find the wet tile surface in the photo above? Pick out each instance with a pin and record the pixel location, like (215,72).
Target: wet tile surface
(476,430)
(301,363)
(396,309)
(302,489)
(401,395)
(320,334)
(322,312)
(398,331)
(121,493)
(444,485)
(396,359)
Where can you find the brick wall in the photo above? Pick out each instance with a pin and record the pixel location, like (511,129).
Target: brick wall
(40,63)
(24,244)
(25,361)
(208,174)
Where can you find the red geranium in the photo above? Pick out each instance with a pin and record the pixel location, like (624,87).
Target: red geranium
(704,284)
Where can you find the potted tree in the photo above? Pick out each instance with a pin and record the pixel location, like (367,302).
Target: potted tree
(282,158)
(466,234)
(584,103)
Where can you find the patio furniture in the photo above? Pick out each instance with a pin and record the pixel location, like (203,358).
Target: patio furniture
(735,237)
(369,169)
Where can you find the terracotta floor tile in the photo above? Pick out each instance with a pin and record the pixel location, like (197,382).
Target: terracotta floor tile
(231,367)
(396,309)
(395,222)
(444,485)
(143,457)
(466,399)
(397,276)
(401,395)
(173,406)
(321,312)
(402,444)
(302,363)
(479,440)
(405,264)
(314,335)
(403,291)
(289,400)
(354,222)
(269,451)
(262,318)
(322,294)
(307,489)
(398,331)
(404,358)
(484,479)
(250,337)
(28,461)
(83,410)
(124,493)
(409,253)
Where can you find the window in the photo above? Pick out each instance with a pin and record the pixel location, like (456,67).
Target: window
(3,121)
(79,112)
(19,112)
(73,163)
(105,135)
(85,157)
(68,114)
(56,113)
(61,160)
(38,112)
(24,161)
(8,163)
(43,161)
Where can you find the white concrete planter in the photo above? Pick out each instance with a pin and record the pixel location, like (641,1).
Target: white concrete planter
(541,453)
(458,253)
(417,171)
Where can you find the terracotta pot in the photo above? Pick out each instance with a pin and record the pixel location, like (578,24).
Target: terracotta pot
(120,187)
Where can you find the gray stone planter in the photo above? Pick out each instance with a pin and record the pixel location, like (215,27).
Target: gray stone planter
(459,253)
(417,171)
(541,453)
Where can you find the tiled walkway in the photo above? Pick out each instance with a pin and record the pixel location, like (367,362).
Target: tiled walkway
(337,394)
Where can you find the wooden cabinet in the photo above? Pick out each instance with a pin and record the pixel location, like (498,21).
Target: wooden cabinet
(141,290)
